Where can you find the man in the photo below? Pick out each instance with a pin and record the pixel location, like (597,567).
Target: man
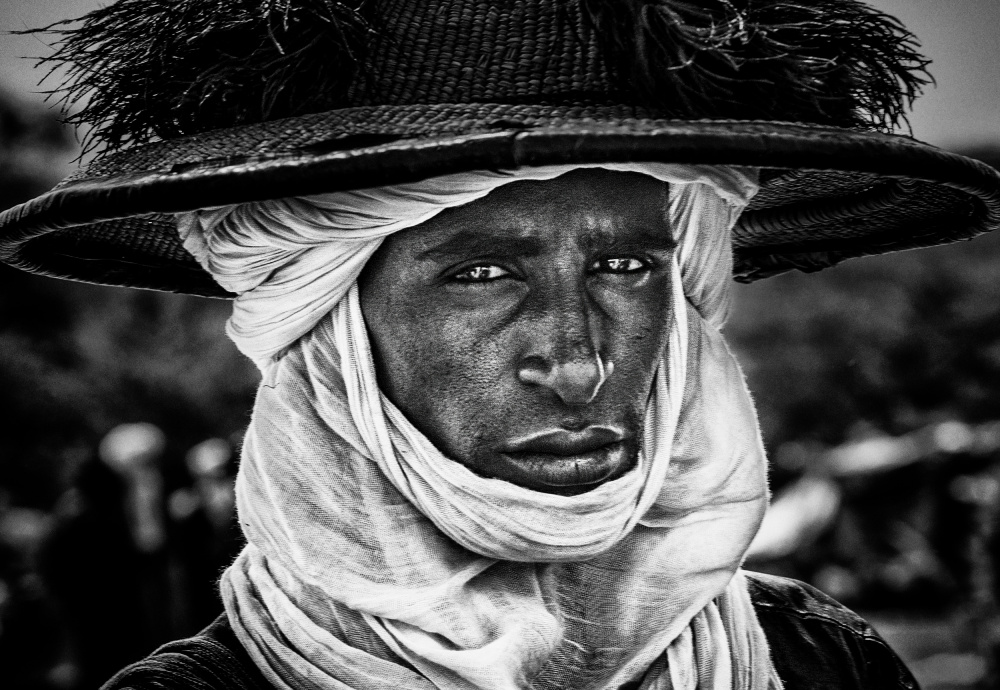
(482,264)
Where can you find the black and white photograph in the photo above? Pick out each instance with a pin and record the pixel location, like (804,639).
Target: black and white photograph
(499,345)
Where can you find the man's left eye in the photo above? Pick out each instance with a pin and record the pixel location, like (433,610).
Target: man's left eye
(620,265)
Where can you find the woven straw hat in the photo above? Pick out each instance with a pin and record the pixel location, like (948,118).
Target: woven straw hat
(201,103)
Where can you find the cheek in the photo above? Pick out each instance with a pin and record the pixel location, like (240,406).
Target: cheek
(639,333)
(443,372)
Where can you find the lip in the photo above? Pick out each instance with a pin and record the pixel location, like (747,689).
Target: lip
(568,462)
(567,443)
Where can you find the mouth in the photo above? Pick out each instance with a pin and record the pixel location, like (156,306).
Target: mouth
(567,462)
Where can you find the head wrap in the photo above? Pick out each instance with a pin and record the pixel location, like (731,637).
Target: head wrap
(290,261)
(373,561)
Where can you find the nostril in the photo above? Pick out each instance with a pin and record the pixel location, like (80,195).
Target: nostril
(536,371)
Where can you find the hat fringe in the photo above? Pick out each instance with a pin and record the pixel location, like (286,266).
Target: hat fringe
(830,62)
(149,69)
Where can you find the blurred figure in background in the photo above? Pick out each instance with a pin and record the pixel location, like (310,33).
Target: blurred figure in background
(29,623)
(104,561)
(205,536)
(75,361)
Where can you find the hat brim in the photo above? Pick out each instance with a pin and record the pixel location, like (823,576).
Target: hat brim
(827,194)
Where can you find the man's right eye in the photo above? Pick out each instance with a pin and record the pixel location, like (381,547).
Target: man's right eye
(480,274)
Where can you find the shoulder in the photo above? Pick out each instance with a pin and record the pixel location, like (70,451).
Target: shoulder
(818,643)
(211,660)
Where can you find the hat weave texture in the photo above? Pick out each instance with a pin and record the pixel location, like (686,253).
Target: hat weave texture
(416,89)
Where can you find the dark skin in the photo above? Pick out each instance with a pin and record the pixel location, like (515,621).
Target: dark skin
(521,333)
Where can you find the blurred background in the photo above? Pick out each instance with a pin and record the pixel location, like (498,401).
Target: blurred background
(877,383)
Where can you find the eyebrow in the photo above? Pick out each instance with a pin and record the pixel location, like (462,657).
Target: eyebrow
(476,242)
(468,242)
(641,237)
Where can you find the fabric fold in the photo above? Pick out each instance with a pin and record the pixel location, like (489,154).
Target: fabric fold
(374,560)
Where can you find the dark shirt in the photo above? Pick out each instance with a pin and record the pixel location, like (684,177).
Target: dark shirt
(816,644)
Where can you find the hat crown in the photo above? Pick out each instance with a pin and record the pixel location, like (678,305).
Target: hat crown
(161,70)
(518,51)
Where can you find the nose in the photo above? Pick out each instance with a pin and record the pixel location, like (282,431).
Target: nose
(565,356)
(575,382)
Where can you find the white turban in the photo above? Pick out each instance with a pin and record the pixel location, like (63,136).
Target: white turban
(374,561)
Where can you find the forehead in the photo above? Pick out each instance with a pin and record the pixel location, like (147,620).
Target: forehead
(588,207)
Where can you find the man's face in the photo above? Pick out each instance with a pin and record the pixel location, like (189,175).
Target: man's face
(521,333)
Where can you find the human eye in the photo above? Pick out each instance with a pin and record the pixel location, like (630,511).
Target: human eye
(620,265)
(481,273)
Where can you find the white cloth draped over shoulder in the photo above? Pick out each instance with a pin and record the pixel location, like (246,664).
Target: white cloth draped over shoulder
(374,561)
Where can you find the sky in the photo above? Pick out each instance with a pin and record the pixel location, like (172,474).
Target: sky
(960,36)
